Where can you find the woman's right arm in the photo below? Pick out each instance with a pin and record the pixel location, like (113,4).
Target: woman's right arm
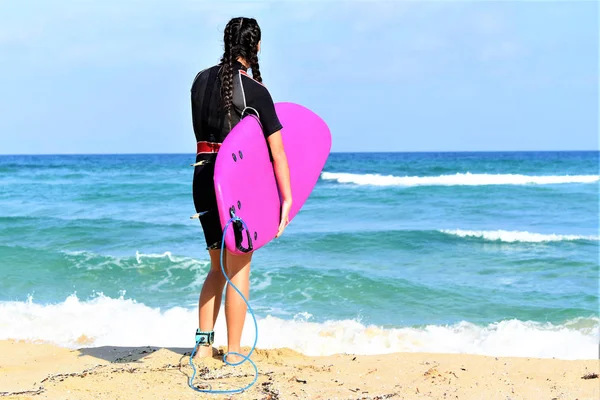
(282,174)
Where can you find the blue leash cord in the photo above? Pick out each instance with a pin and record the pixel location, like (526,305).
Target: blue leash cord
(245,358)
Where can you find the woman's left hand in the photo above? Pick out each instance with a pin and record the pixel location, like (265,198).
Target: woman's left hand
(285,216)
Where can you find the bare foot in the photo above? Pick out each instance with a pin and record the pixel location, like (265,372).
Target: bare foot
(234,358)
(204,352)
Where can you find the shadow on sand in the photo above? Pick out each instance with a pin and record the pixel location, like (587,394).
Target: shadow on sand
(116,354)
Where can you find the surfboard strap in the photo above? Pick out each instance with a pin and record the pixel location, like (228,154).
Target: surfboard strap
(239,230)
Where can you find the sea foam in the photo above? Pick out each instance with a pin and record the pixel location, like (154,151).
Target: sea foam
(105,321)
(458,179)
(517,236)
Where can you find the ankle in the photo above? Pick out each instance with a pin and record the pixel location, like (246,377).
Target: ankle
(204,352)
(234,349)
(205,338)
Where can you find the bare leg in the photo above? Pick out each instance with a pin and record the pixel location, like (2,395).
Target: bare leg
(238,271)
(210,299)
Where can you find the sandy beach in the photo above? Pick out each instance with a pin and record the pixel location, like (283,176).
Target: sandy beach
(44,371)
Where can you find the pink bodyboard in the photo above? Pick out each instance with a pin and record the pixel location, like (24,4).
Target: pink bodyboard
(245,181)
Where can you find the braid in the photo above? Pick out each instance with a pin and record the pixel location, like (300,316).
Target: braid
(253,50)
(227,72)
(241,38)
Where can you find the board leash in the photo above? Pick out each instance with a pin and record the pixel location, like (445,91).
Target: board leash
(245,358)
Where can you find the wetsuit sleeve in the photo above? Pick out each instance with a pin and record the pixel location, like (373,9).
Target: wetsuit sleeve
(263,103)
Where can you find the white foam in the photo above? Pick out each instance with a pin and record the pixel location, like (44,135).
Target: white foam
(455,180)
(517,236)
(104,321)
(90,261)
(167,254)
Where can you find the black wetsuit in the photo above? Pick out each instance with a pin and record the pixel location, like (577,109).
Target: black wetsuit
(211,126)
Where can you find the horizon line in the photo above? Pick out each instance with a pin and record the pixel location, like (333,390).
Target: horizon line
(332,152)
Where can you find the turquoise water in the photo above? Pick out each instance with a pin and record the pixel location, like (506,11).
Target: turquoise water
(491,253)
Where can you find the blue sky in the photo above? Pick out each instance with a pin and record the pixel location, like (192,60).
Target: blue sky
(114,76)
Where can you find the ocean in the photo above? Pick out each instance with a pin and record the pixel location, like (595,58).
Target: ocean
(481,253)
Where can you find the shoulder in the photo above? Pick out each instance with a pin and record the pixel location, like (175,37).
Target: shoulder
(203,75)
(253,89)
(256,97)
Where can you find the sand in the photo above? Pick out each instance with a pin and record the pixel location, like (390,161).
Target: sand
(44,371)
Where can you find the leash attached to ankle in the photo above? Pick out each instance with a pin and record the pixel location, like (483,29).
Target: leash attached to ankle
(207,338)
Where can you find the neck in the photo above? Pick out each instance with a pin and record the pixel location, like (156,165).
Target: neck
(243,62)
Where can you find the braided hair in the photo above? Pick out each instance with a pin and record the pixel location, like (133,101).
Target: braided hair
(241,38)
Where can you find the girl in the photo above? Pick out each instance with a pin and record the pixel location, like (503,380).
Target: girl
(221,95)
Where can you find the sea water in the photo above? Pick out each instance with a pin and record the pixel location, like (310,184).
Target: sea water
(480,253)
